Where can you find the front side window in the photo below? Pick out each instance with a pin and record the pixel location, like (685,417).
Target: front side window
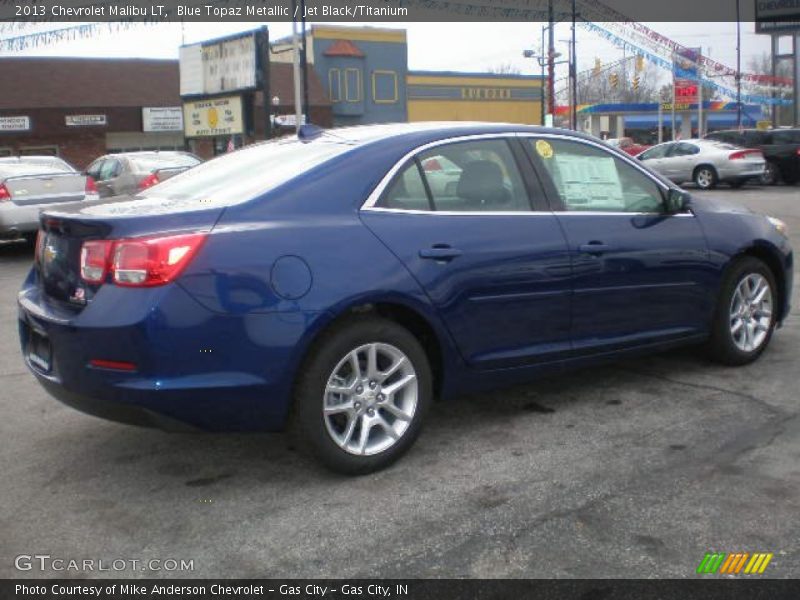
(587,178)
(684,149)
(659,151)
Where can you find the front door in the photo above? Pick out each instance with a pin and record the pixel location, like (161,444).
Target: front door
(640,275)
(497,272)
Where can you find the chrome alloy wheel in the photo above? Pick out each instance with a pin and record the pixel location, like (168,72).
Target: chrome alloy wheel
(370,399)
(704,178)
(751,312)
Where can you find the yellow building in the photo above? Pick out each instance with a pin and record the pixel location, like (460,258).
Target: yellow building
(450,96)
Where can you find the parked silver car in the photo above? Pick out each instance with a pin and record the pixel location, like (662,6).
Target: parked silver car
(44,160)
(131,172)
(27,188)
(705,162)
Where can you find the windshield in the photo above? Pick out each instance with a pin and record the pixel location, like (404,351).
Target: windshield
(243,175)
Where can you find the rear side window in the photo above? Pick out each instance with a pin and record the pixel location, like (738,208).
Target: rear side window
(589,179)
(407,190)
(469,176)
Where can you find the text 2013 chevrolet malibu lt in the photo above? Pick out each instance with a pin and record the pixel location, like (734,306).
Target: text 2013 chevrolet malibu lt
(334,284)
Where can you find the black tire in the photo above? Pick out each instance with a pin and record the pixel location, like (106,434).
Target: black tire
(705,177)
(771,174)
(721,345)
(307,422)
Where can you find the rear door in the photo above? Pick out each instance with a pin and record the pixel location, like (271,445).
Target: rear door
(497,271)
(640,275)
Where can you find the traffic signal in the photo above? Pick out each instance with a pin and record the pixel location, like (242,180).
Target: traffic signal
(639,63)
(635,82)
(598,66)
(614,80)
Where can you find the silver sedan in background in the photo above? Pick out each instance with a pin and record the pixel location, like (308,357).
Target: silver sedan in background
(705,162)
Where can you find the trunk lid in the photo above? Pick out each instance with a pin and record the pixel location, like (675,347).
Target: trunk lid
(47,188)
(63,231)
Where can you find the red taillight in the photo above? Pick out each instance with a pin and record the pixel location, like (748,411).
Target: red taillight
(148,181)
(115,365)
(798,152)
(153,261)
(432,164)
(4,193)
(144,262)
(94,260)
(91,186)
(740,154)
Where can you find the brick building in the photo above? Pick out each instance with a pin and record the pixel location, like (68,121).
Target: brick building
(80,108)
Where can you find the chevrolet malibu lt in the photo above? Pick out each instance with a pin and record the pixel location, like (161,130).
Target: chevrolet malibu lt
(321,284)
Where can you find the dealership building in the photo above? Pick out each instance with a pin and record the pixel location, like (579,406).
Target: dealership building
(81,108)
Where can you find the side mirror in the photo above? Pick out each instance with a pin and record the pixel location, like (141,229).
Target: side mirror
(677,201)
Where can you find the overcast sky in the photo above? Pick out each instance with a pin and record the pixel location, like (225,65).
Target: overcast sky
(434,46)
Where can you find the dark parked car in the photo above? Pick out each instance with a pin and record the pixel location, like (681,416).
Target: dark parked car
(781,149)
(132,172)
(320,283)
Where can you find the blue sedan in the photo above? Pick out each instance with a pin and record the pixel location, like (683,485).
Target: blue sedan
(334,283)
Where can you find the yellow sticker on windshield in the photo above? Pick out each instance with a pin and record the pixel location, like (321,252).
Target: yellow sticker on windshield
(544,149)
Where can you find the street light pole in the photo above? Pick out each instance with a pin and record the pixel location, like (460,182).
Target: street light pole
(551,67)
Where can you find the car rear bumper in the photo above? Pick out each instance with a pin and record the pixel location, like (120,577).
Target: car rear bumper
(746,170)
(16,220)
(194,369)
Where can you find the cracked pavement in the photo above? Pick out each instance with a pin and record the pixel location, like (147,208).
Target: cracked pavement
(634,469)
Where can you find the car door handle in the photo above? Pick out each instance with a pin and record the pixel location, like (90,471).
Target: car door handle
(440,252)
(593,248)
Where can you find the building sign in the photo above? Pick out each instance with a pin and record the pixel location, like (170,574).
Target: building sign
(162,118)
(213,116)
(777,15)
(685,91)
(85,120)
(481,93)
(15,123)
(223,66)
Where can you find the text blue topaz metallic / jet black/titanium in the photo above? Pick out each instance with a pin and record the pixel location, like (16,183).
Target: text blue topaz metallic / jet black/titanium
(335,282)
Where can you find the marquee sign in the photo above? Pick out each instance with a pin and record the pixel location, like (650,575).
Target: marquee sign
(213,117)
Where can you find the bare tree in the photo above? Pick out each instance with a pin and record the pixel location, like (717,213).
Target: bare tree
(505,69)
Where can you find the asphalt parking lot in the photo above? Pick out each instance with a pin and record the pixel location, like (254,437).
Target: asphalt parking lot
(636,469)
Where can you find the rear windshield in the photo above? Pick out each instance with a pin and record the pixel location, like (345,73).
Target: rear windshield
(786,137)
(155,162)
(247,173)
(21,169)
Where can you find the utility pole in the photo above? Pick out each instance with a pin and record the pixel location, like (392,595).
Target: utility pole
(551,67)
(298,99)
(700,94)
(304,61)
(738,69)
(573,75)
(542,64)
